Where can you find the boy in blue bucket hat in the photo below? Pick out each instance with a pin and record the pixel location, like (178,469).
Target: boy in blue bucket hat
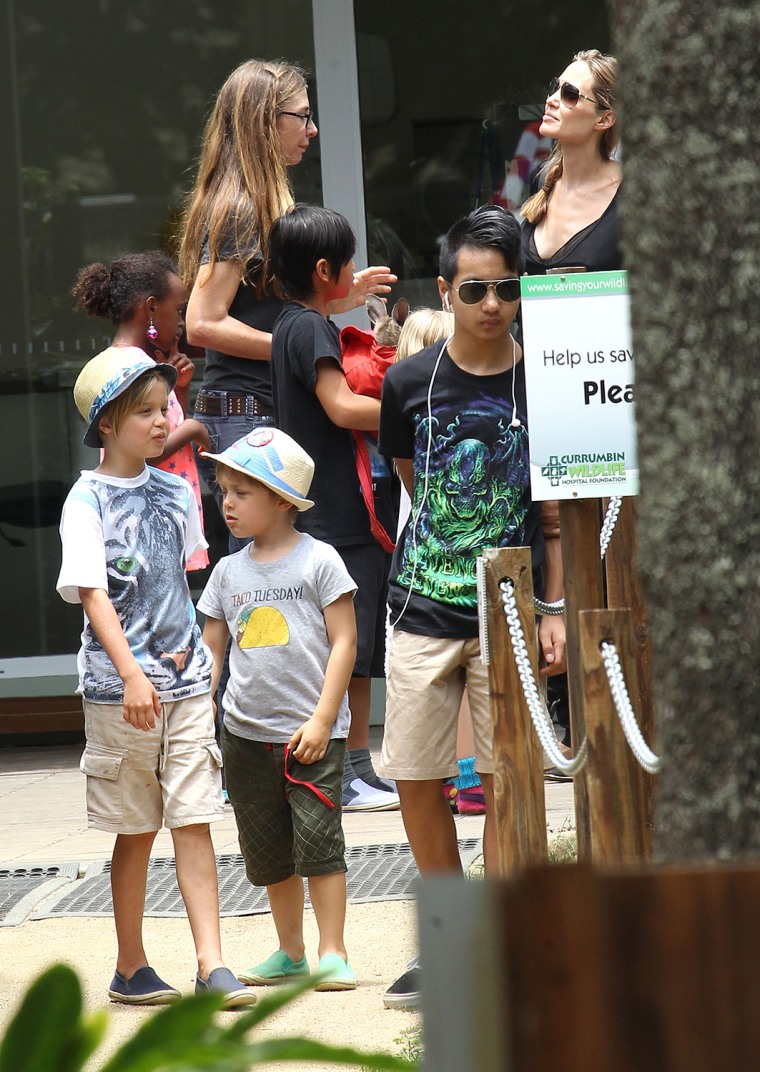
(286,600)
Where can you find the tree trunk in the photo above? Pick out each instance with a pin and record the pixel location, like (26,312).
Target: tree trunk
(691,231)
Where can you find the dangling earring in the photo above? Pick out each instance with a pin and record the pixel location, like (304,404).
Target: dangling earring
(152,333)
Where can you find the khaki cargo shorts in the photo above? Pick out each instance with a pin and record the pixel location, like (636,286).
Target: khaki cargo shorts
(139,780)
(426,680)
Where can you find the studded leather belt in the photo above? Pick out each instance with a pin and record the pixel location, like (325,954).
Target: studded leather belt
(231,404)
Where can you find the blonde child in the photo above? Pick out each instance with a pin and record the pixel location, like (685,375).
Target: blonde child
(144,674)
(286,600)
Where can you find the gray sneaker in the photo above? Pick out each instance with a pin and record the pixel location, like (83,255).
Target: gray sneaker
(358,796)
(222,981)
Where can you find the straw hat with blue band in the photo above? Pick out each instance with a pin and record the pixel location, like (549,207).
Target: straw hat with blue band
(275,460)
(107,376)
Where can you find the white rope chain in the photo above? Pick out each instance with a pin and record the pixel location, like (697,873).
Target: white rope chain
(610,520)
(641,750)
(540,717)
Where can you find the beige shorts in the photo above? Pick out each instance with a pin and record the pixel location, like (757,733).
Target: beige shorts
(426,680)
(138,780)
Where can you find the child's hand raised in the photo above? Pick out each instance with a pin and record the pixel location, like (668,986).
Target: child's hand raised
(200,433)
(184,366)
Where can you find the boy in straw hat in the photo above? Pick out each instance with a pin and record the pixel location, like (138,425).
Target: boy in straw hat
(287,602)
(144,672)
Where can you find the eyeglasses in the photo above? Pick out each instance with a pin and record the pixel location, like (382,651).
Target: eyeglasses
(474,290)
(308,117)
(569,93)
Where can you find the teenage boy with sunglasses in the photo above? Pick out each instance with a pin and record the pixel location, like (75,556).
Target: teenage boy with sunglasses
(454,419)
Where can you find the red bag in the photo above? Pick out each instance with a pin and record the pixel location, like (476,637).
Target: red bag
(365,363)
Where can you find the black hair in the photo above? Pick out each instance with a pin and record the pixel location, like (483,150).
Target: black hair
(112,293)
(488,227)
(301,237)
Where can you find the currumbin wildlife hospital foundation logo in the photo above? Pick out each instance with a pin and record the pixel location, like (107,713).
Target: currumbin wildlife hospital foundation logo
(585,469)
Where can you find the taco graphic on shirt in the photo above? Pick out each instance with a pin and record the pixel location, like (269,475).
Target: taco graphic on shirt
(262,627)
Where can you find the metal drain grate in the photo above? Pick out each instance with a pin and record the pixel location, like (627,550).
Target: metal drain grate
(21,888)
(375,873)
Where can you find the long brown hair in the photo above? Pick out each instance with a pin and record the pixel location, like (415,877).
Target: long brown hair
(242,184)
(604,72)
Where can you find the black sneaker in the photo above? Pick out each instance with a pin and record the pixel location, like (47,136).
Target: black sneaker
(554,774)
(405,992)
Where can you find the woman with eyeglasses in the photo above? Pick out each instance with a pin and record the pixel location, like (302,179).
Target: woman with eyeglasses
(572,220)
(261,125)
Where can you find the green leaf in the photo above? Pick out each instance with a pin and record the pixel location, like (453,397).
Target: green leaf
(268,1005)
(49,1034)
(186,1022)
(300,1049)
(43,1034)
(84,1041)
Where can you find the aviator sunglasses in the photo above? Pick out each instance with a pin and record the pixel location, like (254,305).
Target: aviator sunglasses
(473,291)
(569,94)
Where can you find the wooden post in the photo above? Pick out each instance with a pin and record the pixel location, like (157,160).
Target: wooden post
(652,969)
(624,590)
(520,806)
(565,967)
(619,791)
(582,567)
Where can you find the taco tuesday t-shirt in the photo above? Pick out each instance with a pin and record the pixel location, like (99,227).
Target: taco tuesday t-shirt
(472,493)
(279,651)
(131,537)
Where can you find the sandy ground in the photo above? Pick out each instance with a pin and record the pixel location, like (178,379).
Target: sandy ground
(380,938)
(41,799)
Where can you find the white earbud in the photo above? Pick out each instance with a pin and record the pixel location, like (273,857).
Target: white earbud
(446,303)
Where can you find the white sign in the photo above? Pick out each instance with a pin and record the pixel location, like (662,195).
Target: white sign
(579,380)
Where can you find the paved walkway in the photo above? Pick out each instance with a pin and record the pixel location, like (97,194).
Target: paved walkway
(43,822)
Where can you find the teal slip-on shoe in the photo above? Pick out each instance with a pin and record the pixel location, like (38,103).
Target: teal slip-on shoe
(276,969)
(335,973)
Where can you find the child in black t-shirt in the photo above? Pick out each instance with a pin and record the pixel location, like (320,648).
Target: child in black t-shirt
(454,419)
(311,251)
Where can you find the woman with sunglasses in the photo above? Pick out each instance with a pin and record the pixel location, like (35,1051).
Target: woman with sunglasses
(261,125)
(572,220)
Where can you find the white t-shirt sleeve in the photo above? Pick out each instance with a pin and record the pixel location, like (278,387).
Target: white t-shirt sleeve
(194,538)
(83,563)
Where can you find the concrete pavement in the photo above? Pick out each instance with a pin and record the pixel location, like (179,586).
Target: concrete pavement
(44,820)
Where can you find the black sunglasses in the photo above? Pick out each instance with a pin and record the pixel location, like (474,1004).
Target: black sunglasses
(569,93)
(474,290)
(308,117)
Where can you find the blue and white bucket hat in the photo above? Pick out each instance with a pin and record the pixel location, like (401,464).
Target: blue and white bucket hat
(275,460)
(107,376)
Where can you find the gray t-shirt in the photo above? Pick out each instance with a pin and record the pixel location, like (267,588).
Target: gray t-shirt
(279,645)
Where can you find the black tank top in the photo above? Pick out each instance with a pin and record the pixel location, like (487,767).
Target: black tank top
(596,248)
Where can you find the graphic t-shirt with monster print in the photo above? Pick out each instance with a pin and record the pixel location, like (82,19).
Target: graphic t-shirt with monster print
(472,491)
(131,536)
